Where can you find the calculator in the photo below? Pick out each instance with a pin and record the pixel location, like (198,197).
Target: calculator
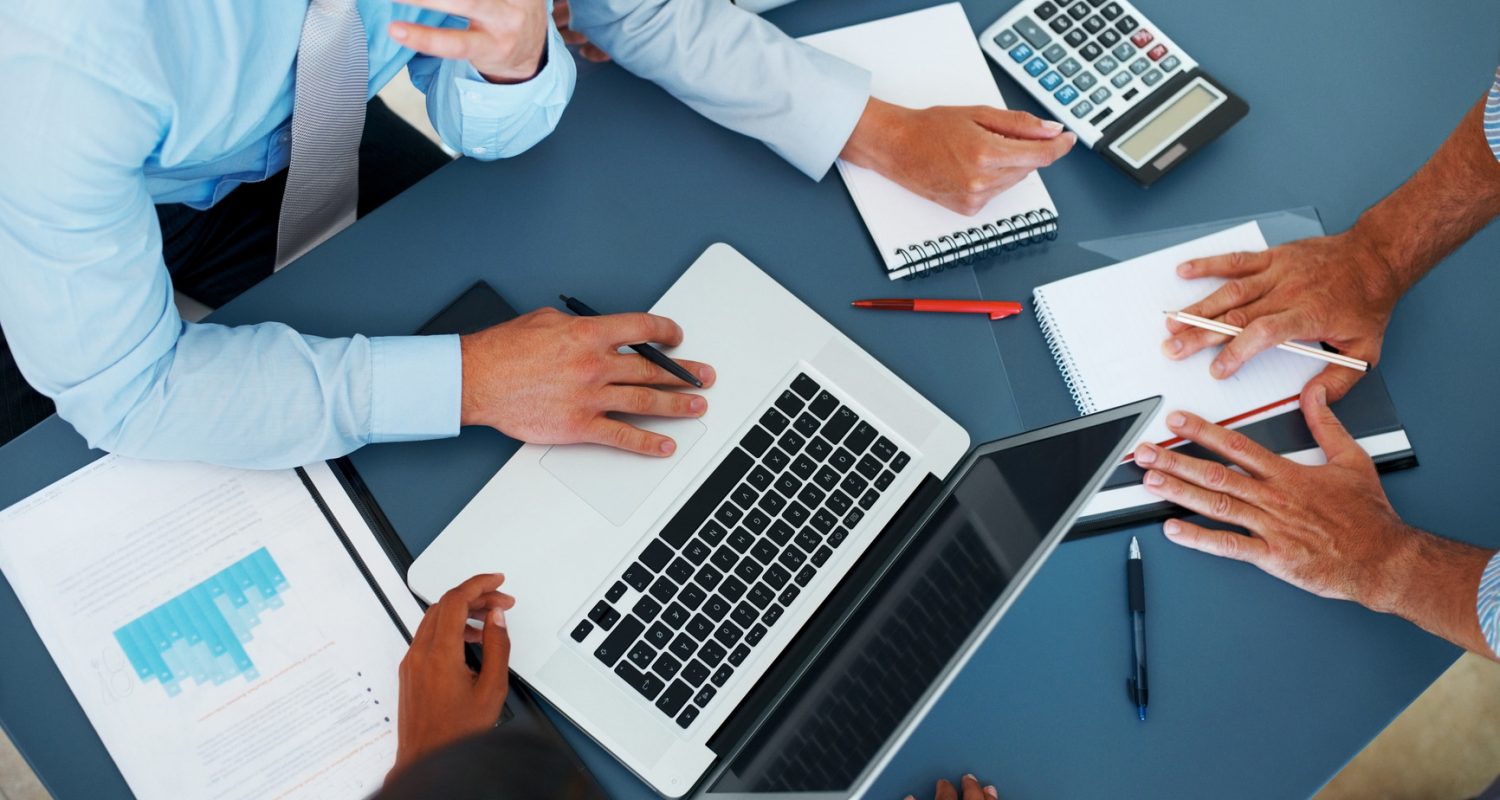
(1128,91)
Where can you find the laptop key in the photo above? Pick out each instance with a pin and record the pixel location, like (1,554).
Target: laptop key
(672,699)
(666,666)
(818,448)
(838,502)
(744,495)
(614,645)
(839,424)
(795,513)
(884,449)
(716,608)
(728,514)
(615,592)
(788,484)
(656,555)
(764,551)
(805,575)
(744,615)
(725,558)
(760,595)
(748,570)
(708,577)
(771,503)
(732,589)
(860,437)
(727,634)
(805,386)
(838,536)
(757,520)
(696,551)
(691,596)
(695,673)
(824,404)
(704,695)
(772,614)
(756,440)
(739,655)
(789,403)
(755,634)
(788,595)
(803,467)
(641,655)
(868,467)
(899,461)
(707,497)
(646,608)
(712,653)
(700,627)
(675,615)
(869,499)
(663,589)
(821,557)
(853,517)
(827,478)
(683,646)
(823,520)
(740,540)
(774,421)
(760,478)
(781,532)
(644,682)
(841,460)
(658,635)
(687,716)
(777,577)
(722,675)
(853,485)
(582,630)
(807,425)
(791,558)
(885,480)
(604,615)
(638,576)
(680,570)
(808,540)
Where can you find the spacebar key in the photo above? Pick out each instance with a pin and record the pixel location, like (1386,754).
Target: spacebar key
(621,637)
(708,497)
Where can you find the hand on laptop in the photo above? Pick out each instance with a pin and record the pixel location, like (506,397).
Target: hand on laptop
(505,39)
(971,791)
(442,700)
(958,156)
(1327,529)
(550,378)
(1333,289)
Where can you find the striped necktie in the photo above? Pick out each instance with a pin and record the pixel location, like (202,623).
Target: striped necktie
(328,116)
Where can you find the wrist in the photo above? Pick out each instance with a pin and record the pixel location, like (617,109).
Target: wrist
(1386,587)
(468,405)
(509,76)
(870,144)
(1389,274)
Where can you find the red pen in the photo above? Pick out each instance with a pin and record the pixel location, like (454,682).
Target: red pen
(995,309)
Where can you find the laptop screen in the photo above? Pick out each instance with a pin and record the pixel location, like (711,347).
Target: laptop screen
(934,595)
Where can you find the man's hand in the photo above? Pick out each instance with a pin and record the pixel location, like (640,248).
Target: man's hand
(505,41)
(551,378)
(957,156)
(972,791)
(442,700)
(1333,289)
(562,16)
(1327,529)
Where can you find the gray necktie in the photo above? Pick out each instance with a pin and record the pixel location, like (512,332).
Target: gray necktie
(328,116)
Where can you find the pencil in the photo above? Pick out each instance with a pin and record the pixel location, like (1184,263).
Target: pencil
(1291,347)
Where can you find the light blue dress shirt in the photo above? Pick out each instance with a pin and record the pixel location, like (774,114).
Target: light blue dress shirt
(114,105)
(1489,583)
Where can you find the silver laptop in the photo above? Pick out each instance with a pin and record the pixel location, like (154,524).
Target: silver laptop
(691,613)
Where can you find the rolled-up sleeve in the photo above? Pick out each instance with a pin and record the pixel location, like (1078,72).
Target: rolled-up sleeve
(1492,116)
(487,120)
(1488,605)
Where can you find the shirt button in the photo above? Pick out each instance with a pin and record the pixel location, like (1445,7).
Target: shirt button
(478,150)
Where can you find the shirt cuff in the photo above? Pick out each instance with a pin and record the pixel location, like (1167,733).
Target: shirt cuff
(490,109)
(1488,604)
(416,385)
(835,100)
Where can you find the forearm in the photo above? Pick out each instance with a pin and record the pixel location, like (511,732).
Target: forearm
(1446,202)
(1434,583)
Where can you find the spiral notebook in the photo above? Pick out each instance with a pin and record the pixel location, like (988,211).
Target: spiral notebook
(922,59)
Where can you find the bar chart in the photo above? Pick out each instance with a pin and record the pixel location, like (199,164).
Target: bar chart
(200,635)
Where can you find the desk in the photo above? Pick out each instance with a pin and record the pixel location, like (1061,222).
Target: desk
(1261,691)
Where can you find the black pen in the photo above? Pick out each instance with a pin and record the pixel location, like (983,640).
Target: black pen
(647,351)
(1135,584)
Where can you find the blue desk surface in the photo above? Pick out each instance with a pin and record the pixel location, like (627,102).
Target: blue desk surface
(1261,690)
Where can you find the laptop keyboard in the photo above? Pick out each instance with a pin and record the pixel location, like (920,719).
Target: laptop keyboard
(726,567)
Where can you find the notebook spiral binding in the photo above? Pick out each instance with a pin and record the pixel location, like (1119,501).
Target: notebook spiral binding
(962,248)
(1062,355)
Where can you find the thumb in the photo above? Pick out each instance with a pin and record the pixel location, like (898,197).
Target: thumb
(1016,124)
(1337,381)
(494,670)
(1326,428)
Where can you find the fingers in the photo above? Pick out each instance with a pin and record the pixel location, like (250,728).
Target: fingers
(440,42)
(591,52)
(971,788)
(451,613)
(633,368)
(1223,544)
(1238,448)
(945,791)
(1031,153)
(1016,124)
(494,668)
(1214,505)
(1230,265)
(652,402)
(562,14)
(614,433)
(618,330)
(1208,474)
(1336,381)
(1226,298)
(1262,334)
(570,36)
(1330,434)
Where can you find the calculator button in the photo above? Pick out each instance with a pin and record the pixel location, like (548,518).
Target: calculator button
(1068,67)
(1091,51)
(1082,109)
(1141,38)
(1093,24)
(1151,77)
(1006,38)
(1020,53)
(1054,52)
(1126,24)
(1075,37)
(1157,52)
(1169,63)
(1121,53)
(1066,95)
(1100,95)
(1137,66)
(1032,32)
(1110,11)
(1109,38)
(1036,67)
(1045,11)
(1061,23)
(1078,11)
(1051,81)
(1106,65)
(1121,79)
(1085,81)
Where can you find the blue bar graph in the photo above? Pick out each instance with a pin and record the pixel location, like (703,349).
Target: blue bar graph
(200,635)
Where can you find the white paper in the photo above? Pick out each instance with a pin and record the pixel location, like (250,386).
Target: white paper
(918,60)
(281,676)
(1111,323)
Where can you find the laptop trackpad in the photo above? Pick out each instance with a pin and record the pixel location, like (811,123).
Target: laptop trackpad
(614,482)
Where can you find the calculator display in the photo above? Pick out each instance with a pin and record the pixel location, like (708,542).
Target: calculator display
(1169,121)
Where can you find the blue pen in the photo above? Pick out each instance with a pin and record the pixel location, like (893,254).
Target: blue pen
(1135,584)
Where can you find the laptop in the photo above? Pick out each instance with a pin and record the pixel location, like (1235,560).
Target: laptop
(705,617)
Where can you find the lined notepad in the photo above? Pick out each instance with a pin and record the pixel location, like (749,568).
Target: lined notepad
(1106,327)
(918,60)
